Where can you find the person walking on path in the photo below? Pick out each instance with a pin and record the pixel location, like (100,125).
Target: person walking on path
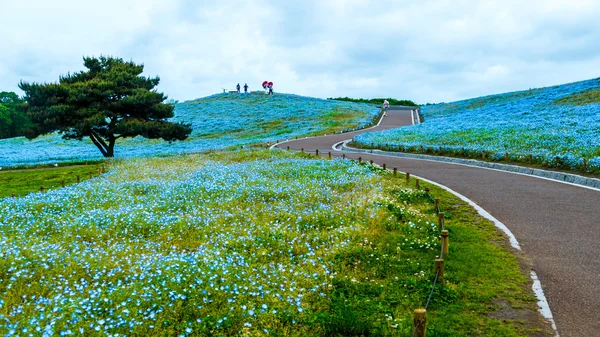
(245,88)
(238,88)
(386,105)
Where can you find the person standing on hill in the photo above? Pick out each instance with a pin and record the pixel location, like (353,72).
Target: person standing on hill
(386,105)
(238,88)
(270,88)
(245,88)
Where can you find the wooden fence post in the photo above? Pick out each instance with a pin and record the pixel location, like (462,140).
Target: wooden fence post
(445,242)
(329,154)
(437,205)
(302,150)
(91,174)
(441,220)
(13,195)
(407,177)
(439,270)
(482,154)
(384,167)
(343,156)
(359,159)
(584,165)
(419,323)
(41,188)
(506,157)
(62,183)
(395,171)
(317,153)
(371,161)
(418,184)
(78,179)
(288,148)
(530,158)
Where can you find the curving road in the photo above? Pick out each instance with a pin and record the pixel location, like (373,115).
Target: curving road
(557,225)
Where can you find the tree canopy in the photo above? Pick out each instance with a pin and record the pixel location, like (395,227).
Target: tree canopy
(13,122)
(108,101)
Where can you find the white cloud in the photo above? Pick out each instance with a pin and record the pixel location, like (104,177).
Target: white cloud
(428,51)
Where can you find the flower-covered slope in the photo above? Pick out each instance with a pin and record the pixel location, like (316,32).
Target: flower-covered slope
(208,244)
(218,121)
(561,121)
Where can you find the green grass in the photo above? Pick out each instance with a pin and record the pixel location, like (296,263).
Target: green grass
(365,240)
(26,181)
(581,98)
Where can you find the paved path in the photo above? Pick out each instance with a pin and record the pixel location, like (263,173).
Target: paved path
(557,225)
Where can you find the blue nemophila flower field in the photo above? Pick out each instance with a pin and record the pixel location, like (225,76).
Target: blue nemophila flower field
(218,121)
(226,243)
(558,126)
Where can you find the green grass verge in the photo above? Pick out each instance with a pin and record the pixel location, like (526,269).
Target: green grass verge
(22,182)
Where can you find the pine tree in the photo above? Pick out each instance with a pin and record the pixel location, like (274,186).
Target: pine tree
(108,101)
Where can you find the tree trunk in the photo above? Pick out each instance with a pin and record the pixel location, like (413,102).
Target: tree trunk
(98,145)
(107,150)
(111,147)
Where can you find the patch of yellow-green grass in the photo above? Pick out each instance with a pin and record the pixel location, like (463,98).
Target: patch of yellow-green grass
(339,118)
(581,98)
(483,101)
(22,182)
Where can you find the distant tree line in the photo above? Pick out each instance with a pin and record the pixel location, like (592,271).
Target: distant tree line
(377,101)
(13,121)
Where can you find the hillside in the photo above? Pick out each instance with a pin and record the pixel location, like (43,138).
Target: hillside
(219,121)
(558,126)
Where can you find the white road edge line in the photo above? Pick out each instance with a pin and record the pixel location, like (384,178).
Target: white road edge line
(542,302)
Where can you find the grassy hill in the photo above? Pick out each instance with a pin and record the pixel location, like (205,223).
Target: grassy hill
(219,121)
(558,126)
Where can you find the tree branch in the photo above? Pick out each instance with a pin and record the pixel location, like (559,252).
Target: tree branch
(99,139)
(98,145)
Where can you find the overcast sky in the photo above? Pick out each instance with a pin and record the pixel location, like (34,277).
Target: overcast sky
(427,51)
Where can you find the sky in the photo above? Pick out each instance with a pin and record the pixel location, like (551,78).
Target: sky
(427,51)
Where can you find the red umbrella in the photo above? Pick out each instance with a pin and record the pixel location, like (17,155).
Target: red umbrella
(270,84)
(265,83)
